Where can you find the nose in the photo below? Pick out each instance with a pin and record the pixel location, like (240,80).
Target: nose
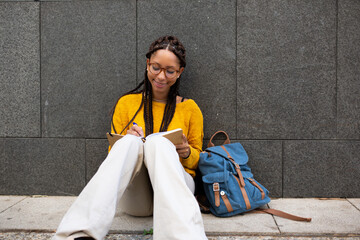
(161,75)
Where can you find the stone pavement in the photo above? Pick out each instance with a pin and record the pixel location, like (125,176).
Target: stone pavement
(37,217)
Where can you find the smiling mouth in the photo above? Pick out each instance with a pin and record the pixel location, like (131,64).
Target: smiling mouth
(160,85)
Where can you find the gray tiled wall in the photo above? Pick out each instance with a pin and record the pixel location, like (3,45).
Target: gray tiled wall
(19,69)
(281,77)
(209,37)
(321,168)
(286,69)
(88,52)
(42,166)
(348,70)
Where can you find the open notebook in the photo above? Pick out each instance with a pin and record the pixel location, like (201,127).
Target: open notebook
(175,136)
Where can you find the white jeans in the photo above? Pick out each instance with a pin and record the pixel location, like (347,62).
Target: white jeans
(123,177)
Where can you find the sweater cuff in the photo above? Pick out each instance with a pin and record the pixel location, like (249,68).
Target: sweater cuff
(191,162)
(189,153)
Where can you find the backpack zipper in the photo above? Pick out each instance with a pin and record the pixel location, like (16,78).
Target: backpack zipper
(258,187)
(243,192)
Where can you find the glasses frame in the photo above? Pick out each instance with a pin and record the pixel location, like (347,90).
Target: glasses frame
(163,69)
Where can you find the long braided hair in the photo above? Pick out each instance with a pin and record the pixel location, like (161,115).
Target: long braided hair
(170,43)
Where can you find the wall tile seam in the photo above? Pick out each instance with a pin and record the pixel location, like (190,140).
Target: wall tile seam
(21,1)
(52,1)
(136,43)
(45,138)
(236,72)
(85,162)
(95,138)
(205,139)
(282,167)
(336,66)
(40,78)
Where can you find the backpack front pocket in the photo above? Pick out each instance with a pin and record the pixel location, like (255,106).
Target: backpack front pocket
(217,191)
(258,193)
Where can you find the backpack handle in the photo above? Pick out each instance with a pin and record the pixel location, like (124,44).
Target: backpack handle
(211,144)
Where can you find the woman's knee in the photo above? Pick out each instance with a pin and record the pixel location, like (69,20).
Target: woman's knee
(158,142)
(159,146)
(131,139)
(127,140)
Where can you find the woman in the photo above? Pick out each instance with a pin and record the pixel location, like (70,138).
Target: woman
(155,177)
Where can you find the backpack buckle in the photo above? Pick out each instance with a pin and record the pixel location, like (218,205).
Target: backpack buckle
(216,187)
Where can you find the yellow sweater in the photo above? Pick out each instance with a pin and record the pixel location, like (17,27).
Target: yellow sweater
(187,116)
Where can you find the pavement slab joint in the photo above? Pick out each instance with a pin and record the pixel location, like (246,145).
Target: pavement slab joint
(353,204)
(12,205)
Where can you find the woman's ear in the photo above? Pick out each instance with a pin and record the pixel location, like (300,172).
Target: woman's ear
(181,70)
(147,63)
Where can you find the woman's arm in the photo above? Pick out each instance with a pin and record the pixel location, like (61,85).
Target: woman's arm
(120,116)
(195,139)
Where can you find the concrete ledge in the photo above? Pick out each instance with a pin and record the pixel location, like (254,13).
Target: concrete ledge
(328,216)
(331,218)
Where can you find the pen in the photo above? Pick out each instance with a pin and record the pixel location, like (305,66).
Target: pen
(142,138)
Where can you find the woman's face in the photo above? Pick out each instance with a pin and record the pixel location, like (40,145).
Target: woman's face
(163,69)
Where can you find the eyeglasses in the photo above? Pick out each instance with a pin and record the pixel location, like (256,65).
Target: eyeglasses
(155,68)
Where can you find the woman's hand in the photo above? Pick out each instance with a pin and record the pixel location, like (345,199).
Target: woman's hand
(136,131)
(183,149)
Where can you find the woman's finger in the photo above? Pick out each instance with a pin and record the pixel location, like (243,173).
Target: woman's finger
(138,130)
(184,144)
(184,139)
(184,153)
(132,132)
(180,146)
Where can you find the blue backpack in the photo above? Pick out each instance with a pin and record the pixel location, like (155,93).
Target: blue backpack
(228,182)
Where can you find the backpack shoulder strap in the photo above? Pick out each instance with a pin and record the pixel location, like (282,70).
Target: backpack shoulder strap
(282,214)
